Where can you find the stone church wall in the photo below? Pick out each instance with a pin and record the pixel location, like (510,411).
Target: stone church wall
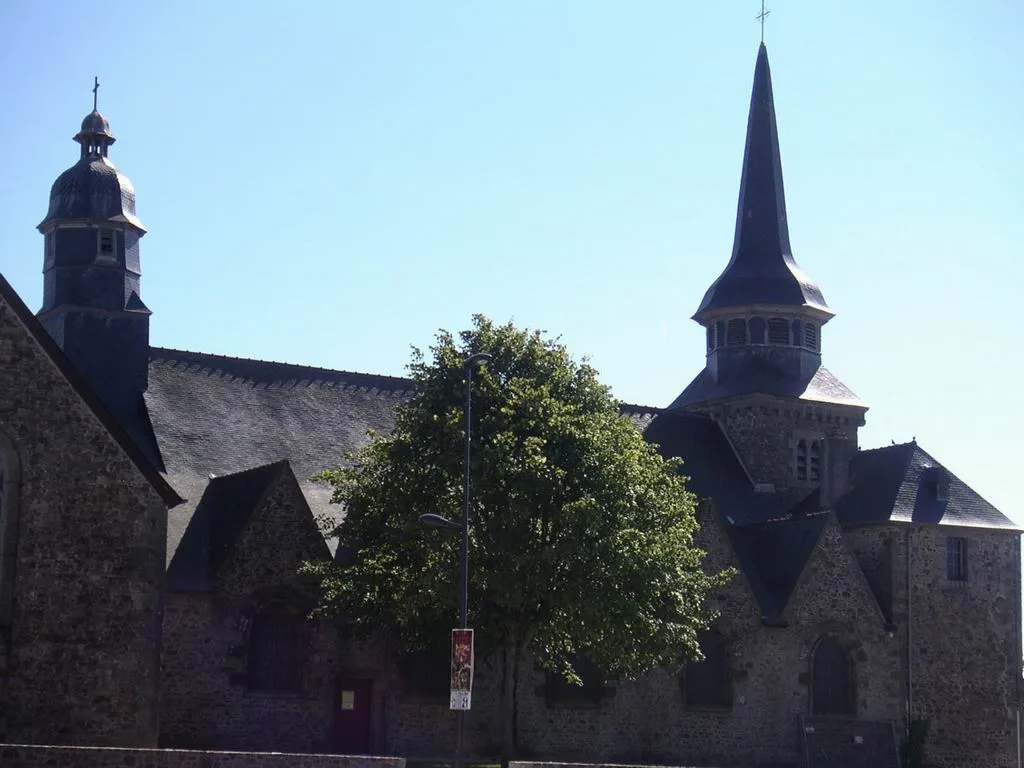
(965,641)
(207,702)
(647,720)
(89,548)
(763,431)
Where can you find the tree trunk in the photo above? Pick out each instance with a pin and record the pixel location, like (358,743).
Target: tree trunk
(510,660)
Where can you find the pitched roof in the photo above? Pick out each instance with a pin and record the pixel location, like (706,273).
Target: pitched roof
(762,270)
(773,554)
(898,483)
(222,415)
(759,377)
(708,459)
(84,391)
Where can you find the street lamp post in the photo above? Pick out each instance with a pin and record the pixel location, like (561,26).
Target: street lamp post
(468,366)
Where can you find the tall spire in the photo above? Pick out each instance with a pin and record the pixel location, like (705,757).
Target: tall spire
(762,271)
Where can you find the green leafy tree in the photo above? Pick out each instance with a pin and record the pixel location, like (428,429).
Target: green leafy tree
(581,533)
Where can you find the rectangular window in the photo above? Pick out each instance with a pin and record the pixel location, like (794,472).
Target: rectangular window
(956,558)
(560,692)
(106,241)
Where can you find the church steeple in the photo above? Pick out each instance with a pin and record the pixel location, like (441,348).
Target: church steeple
(791,421)
(762,271)
(92,305)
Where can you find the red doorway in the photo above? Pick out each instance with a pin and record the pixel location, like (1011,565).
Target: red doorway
(352,716)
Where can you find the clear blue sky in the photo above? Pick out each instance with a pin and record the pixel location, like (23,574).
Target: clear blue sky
(330,182)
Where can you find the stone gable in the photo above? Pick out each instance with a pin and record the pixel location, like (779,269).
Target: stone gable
(85,613)
(280,536)
(207,697)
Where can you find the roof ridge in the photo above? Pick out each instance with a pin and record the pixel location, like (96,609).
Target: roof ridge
(249,470)
(888,447)
(171,351)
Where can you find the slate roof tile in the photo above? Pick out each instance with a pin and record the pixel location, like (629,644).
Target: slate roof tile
(823,386)
(896,483)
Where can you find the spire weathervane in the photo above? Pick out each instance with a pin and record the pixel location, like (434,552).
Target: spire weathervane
(95,91)
(761,17)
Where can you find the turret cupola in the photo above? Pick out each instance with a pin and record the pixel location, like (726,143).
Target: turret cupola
(92,303)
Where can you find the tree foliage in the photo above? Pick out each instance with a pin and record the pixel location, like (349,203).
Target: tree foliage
(582,535)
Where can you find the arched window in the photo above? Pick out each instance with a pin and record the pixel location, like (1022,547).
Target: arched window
(276,649)
(707,683)
(757,327)
(427,669)
(10,490)
(778,331)
(737,332)
(831,679)
(808,459)
(559,691)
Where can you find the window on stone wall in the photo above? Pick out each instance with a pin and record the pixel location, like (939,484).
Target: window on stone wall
(276,650)
(560,692)
(814,462)
(831,679)
(707,683)
(10,477)
(808,458)
(956,558)
(427,670)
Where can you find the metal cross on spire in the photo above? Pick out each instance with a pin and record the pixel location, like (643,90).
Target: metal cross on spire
(761,17)
(95,92)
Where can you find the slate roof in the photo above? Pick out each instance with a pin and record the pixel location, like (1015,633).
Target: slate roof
(93,187)
(225,507)
(762,270)
(222,415)
(708,459)
(761,378)
(82,388)
(897,483)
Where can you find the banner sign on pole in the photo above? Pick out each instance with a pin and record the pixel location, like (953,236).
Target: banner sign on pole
(462,668)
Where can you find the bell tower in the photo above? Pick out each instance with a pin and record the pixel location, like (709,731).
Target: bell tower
(91,273)
(792,422)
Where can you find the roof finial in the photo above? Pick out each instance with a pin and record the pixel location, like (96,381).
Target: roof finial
(760,17)
(96,88)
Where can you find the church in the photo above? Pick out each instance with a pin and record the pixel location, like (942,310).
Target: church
(156,505)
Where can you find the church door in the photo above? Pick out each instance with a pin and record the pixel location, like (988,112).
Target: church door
(352,717)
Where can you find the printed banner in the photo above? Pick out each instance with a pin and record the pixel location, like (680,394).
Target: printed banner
(462,668)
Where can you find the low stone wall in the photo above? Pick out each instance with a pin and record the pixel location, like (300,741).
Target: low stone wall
(532,764)
(32,756)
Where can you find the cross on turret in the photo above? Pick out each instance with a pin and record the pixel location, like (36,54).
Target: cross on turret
(761,17)
(96,88)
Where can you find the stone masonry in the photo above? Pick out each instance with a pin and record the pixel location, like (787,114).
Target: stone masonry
(89,544)
(206,702)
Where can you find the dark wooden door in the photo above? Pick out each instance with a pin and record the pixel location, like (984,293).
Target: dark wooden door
(352,716)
